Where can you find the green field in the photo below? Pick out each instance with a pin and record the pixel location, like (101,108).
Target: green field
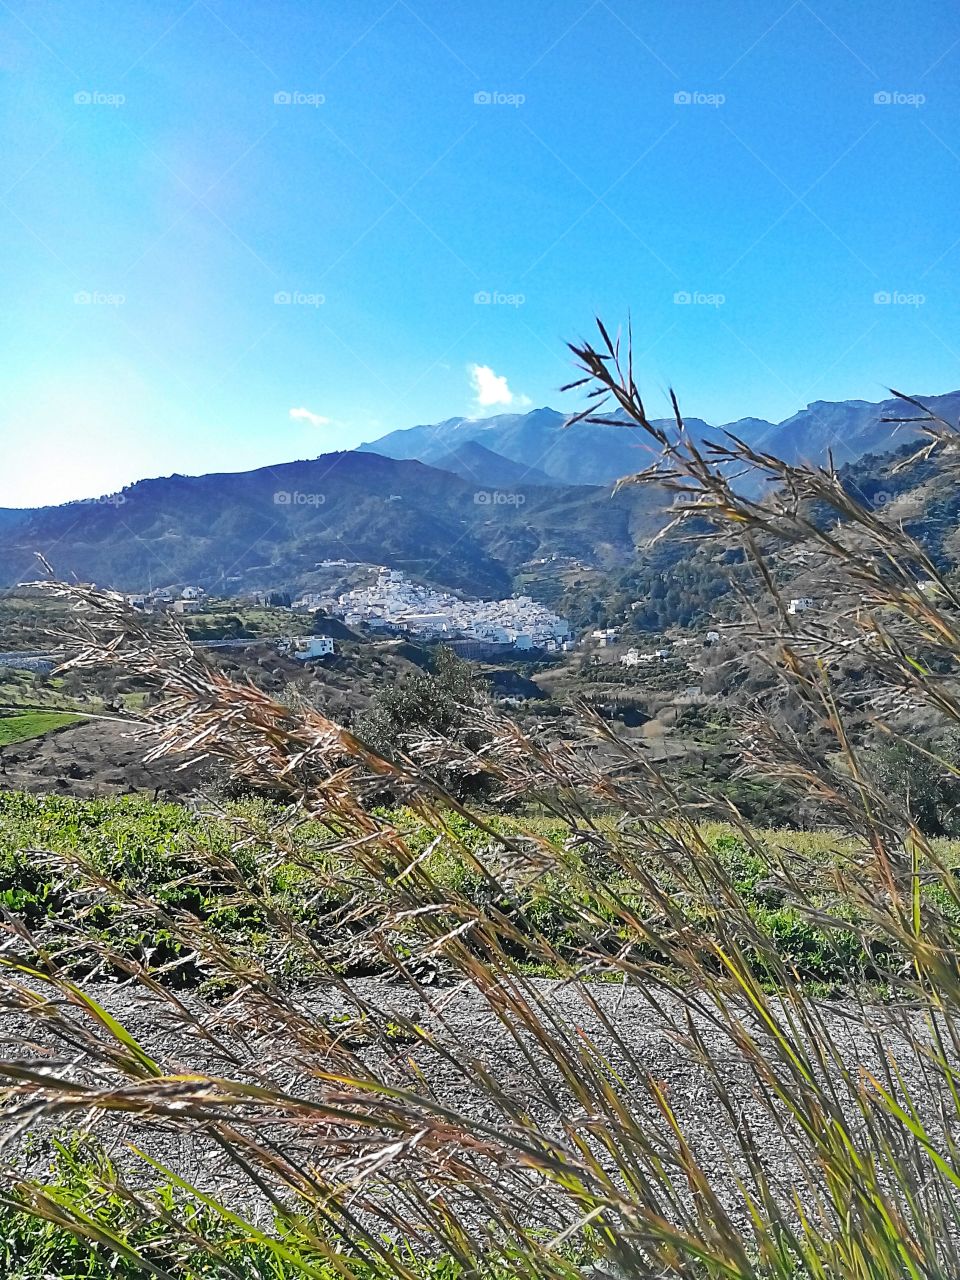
(285,911)
(20,726)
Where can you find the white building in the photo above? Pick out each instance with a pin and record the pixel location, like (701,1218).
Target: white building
(425,624)
(304,648)
(313,600)
(800,604)
(191,593)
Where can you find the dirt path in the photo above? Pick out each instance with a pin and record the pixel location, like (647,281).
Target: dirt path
(236,1042)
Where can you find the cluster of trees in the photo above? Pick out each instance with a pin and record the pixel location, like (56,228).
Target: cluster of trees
(675,584)
(925,784)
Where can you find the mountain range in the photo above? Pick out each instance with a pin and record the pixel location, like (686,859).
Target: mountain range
(464,503)
(269,528)
(587,454)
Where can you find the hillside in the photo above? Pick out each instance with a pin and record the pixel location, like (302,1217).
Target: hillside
(473,461)
(682,581)
(268,528)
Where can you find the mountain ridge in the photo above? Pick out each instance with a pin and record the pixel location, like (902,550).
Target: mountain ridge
(584,454)
(270,528)
(472,460)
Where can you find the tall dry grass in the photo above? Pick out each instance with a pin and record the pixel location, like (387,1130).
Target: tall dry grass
(674,1100)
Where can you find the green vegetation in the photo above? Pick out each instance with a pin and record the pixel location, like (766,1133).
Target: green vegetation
(420,702)
(164,870)
(675,583)
(129,1236)
(20,726)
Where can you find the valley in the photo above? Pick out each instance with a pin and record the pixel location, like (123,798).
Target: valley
(365,801)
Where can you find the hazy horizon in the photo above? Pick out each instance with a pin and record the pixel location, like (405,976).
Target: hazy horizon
(267,465)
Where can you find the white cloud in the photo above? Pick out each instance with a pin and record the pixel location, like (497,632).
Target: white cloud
(491,388)
(305,415)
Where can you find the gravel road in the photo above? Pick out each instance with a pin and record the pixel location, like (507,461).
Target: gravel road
(235,1041)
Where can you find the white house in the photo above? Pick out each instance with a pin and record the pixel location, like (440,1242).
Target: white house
(800,604)
(307,647)
(426,623)
(191,593)
(712,637)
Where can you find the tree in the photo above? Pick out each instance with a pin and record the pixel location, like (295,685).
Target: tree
(432,702)
(923,784)
(424,700)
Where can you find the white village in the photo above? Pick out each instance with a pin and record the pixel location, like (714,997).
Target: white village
(394,603)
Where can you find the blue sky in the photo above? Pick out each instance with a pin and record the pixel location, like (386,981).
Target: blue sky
(159,206)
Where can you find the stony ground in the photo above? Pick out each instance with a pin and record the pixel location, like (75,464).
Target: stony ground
(238,1042)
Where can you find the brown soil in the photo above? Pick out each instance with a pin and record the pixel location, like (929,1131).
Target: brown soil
(95,758)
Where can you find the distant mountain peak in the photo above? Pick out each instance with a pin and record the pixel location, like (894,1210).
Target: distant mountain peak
(598,455)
